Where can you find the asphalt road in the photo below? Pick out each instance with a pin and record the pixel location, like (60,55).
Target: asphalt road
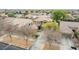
(4,46)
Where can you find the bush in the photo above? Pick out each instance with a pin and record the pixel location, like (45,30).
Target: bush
(77,19)
(51,25)
(11,14)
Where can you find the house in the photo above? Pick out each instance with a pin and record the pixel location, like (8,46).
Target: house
(18,27)
(66,27)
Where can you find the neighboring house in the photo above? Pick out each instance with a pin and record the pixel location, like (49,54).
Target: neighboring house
(40,20)
(17,27)
(66,27)
(16,24)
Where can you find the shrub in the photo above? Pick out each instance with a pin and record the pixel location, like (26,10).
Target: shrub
(11,14)
(51,25)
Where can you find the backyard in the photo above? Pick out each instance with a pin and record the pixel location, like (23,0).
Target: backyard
(39,29)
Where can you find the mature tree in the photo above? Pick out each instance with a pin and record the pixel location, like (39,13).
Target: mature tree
(26,13)
(8,29)
(58,15)
(27,31)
